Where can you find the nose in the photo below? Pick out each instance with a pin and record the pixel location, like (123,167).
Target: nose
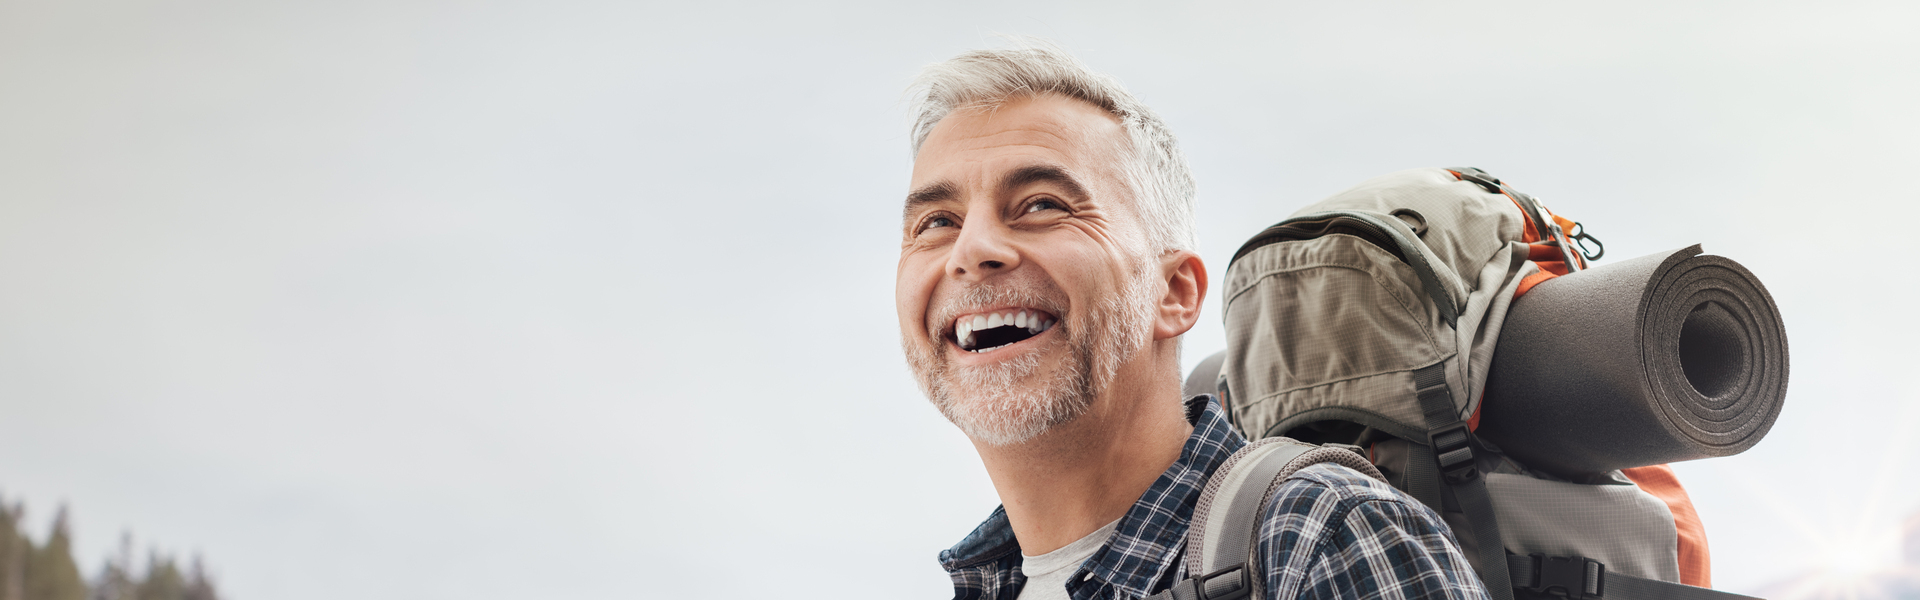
(982,250)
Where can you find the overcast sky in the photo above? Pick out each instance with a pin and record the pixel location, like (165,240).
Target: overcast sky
(438,299)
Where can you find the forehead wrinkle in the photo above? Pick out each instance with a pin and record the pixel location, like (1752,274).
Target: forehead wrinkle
(1058,137)
(975,134)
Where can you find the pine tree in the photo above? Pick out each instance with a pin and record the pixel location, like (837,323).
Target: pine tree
(14,550)
(30,571)
(51,574)
(163,580)
(116,580)
(199,585)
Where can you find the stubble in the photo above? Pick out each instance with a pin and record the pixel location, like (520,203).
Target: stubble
(1012,401)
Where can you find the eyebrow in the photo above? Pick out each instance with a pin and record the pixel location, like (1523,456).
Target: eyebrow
(943,191)
(939,191)
(1053,174)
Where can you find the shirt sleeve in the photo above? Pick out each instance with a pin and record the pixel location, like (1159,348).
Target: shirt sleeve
(1331,532)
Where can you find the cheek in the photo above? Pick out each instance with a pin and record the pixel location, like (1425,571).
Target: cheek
(913,288)
(1084,269)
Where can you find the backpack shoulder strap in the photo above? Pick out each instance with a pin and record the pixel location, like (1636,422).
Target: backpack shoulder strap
(1226,522)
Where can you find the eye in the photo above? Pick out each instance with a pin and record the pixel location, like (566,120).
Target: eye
(1044,204)
(937,220)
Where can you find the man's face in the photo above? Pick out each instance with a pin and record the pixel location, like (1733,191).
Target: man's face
(1020,214)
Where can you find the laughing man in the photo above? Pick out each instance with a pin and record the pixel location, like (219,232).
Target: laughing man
(1047,271)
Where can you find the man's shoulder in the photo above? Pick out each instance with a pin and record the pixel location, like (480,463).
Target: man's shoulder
(1332,532)
(1328,495)
(1335,482)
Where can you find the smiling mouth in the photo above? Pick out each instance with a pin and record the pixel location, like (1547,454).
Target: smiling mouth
(986,332)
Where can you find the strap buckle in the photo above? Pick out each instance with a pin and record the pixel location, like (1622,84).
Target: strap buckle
(1454,453)
(1231,583)
(1569,576)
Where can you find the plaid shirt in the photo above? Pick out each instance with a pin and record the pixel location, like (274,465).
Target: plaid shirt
(1329,532)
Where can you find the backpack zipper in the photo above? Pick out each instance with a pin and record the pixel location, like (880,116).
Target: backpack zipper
(1369,229)
(1316,227)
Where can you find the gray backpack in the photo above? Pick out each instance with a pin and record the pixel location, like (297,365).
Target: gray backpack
(1368,322)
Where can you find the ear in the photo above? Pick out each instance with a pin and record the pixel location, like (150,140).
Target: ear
(1179,309)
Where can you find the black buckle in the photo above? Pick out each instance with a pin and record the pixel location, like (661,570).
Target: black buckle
(1569,576)
(1452,450)
(1231,583)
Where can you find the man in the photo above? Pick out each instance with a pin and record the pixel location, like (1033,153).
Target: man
(1047,271)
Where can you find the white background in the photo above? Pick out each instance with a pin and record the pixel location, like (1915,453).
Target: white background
(435,299)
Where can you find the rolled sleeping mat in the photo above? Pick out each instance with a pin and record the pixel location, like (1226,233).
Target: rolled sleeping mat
(1652,360)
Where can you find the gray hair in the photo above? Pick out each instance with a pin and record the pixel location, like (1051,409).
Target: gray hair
(1157,172)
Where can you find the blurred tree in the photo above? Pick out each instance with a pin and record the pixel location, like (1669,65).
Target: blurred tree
(163,580)
(14,549)
(51,574)
(116,580)
(47,571)
(199,585)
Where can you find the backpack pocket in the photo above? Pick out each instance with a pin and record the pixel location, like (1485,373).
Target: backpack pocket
(1290,352)
(1627,529)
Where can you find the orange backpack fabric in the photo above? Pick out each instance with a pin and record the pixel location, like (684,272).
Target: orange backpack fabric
(1695,567)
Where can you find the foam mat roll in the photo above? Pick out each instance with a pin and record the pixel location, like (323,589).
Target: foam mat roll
(1657,359)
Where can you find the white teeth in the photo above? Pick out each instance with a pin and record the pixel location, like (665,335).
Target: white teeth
(964,328)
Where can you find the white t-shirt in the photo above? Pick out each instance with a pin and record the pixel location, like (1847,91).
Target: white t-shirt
(1047,573)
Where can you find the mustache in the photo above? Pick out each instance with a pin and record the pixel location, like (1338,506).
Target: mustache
(1034,293)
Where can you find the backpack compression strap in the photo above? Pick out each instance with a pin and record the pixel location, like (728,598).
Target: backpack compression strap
(1448,464)
(1578,578)
(1225,528)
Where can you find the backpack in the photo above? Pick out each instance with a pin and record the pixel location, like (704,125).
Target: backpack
(1368,322)
(1221,535)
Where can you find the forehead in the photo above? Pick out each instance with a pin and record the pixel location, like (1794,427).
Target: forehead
(970,145)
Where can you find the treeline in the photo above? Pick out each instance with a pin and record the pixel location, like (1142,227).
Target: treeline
(47,571)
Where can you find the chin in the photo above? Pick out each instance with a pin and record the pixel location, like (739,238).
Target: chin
(1012,401)
(1006,401)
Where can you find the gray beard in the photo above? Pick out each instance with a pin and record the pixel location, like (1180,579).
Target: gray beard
(1002,404)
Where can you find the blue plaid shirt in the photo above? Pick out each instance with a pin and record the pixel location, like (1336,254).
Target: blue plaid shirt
(1329,532)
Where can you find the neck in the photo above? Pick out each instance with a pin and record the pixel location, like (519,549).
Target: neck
(1078,476)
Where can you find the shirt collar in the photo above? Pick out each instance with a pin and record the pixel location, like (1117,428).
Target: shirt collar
(989,542)
(1145,548)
